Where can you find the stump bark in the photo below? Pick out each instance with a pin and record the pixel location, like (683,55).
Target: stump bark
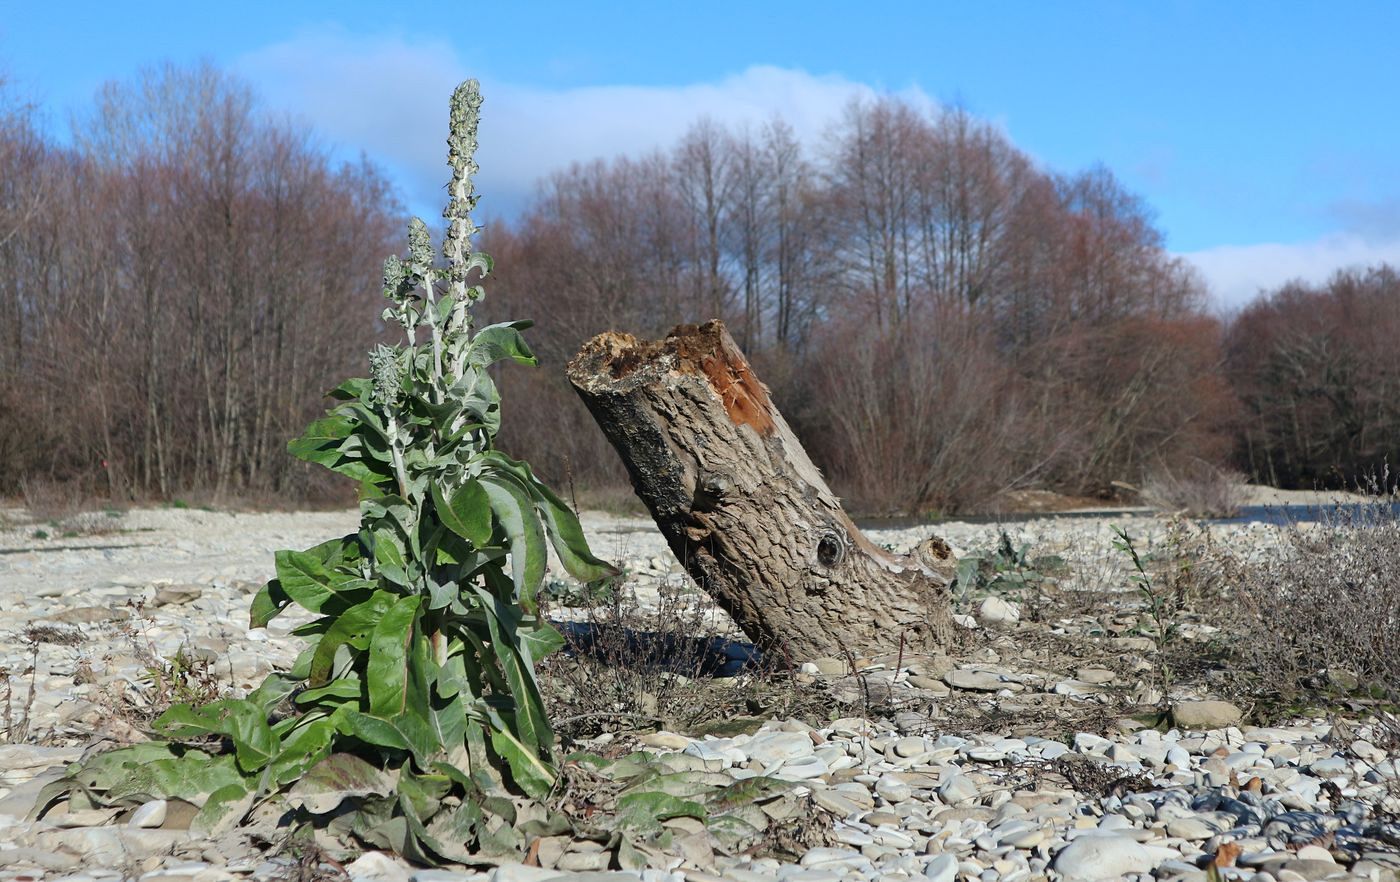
(743,507)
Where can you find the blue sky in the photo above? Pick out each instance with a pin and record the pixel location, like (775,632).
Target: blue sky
(1265,135)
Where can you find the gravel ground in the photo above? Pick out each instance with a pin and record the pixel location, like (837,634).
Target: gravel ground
(94,603)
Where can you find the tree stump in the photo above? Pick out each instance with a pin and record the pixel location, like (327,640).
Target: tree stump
(743,507)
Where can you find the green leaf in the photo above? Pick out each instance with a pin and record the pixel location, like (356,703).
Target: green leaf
(388,551)
(516,515)
(224,809)
(242,721)
(529,772)
(387,672)
(531,722)
(354,389)
(302,749)
(646,811)
(497,342)
(346,688)
(306,580)
(273,691)
(268,604)
(566,535)
(336,778)
(404,732)
(539,640)
(467,513)
(357,621)
(320,443)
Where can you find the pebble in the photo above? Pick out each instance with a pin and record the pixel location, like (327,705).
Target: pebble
(150,814)
(957,790)
(998,611)
(978,681)
(1090,858)
(1205,714)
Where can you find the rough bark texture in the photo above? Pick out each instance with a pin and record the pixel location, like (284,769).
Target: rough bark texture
(743,507)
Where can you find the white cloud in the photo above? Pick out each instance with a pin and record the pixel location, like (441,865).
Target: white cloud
(389,96)
(1236,273)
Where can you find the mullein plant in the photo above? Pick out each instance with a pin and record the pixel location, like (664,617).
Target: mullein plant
(413,719)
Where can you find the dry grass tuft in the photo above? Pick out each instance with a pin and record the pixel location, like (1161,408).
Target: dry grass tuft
(1197,489)
(628,667)
(1325,614)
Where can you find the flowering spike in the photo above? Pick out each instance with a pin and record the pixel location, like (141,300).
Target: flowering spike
(461,150)
(395,274)
(420,249)
(384,372)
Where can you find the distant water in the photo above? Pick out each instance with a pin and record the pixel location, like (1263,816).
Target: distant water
(1358,514)
(1350,513)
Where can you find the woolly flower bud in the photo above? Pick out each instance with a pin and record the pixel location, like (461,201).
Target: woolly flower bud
(395,274)
(384,372)
(420,248)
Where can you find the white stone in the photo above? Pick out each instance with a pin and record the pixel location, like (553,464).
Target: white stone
(1205,714)
(997,611)
(767,748)
(150,814)
(957,789)
(669,740)
(1092,858)
(375,866)
(1315,853)
(893,790)
(943,868)
(979,681)
(1087,742)
(907,747)
(1191,829)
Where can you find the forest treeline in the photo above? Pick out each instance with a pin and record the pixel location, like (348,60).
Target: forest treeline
(178,289)
(941,320)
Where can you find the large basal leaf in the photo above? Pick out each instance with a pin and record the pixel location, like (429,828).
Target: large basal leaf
(646,811)
(467,513)
(387,671)
(306,580)
(254,742)
(530,773)
(336,778)
(302,748)
(566,535)
(224,809)
(241,721)
(404,732)
(273,691)
(143,771)
(357,621)
(517,516)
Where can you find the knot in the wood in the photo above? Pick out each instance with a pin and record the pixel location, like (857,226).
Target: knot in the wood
(830,549)
(711,490)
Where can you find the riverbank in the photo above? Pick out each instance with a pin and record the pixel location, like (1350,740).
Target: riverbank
(1026,752)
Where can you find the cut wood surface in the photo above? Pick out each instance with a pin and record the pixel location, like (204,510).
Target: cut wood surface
(743,507)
